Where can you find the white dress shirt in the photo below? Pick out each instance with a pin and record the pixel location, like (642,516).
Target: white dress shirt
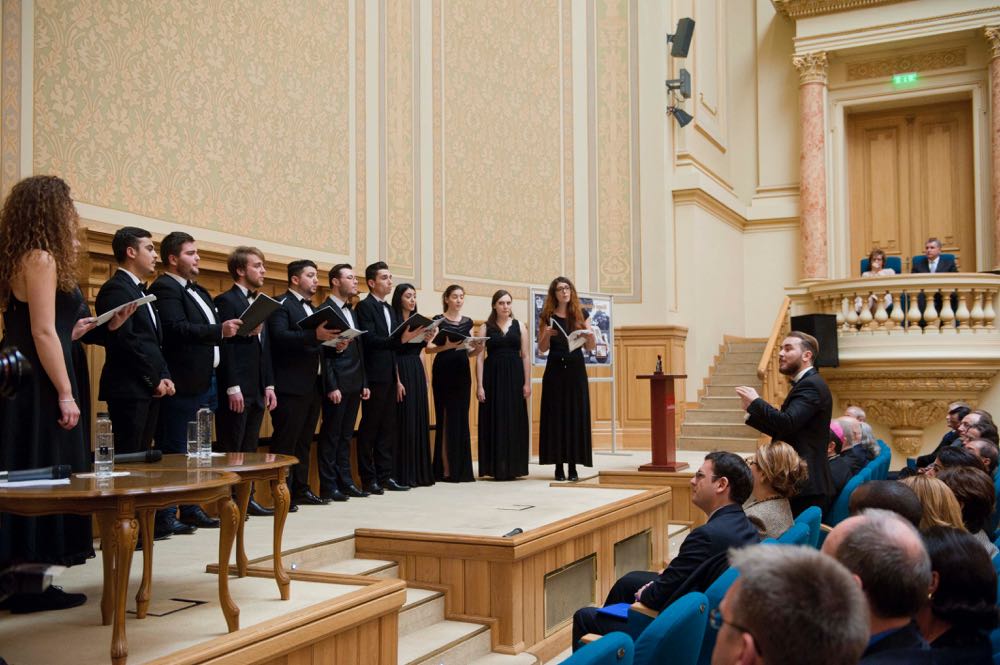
(149,306)
(307,305)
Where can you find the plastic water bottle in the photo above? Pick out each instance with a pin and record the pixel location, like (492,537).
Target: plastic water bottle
(205,418)
(104,447)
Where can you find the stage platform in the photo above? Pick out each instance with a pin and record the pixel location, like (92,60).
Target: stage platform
(471,595)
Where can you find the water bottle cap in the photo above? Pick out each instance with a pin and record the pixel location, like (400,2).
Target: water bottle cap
(103,414)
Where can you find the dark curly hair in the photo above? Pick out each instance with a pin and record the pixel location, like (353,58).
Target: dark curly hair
(38,215)
(974,490)
(966,595)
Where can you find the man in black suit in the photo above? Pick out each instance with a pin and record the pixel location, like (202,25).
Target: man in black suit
(887,556)
(345,386)
(377,433)
(245,374)
(718,488)
(298,378)
(932,261)
(804,419)
(192,334)
(135,373)
(956,412)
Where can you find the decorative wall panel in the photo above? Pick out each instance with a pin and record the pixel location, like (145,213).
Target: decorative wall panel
(232,116)
(503,144)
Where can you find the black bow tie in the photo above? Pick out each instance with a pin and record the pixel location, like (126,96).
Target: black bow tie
(189,286)
(141,286)
(252,295)
(385,304)
(346,305)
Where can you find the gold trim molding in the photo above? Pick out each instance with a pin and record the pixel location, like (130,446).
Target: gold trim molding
(801,8)
(992,33)
(920,61)
(812,67)
(961,383)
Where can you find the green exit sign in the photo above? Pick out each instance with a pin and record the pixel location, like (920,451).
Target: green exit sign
(908,78)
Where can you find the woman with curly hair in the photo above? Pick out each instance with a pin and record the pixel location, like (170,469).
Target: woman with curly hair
(564,425)
(43,314)
(962,606)
(778,473)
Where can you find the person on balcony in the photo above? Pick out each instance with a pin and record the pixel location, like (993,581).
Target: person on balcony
(932,261)
(876,268)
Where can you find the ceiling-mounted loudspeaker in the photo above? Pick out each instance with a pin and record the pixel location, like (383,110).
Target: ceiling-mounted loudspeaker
(681,39)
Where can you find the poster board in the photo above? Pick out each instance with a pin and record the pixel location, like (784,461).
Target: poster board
(601,322)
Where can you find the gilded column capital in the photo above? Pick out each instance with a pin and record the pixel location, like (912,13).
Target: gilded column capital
(906,418)
(992,33)
(812,67)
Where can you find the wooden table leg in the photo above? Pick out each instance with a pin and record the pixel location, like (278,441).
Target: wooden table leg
(146,519)
(242,501)
(125,527)
(228,516)
(282,501)
(105,524)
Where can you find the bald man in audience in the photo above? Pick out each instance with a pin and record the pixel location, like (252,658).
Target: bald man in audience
(887,495)
(887,555)
(761,621)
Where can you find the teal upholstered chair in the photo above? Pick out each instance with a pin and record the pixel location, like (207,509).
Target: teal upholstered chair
(715,593)
(612,649)
(811,517)
(894,262)
(676,635)
(839,511)
(797,534)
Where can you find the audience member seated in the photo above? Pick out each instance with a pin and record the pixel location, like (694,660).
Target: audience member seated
(939,507)
(868,442)
(956,412)
(976,495)
(719,489)
(987,453)
(890,495)
(954,456)
(841,466)
(876,268)
(971,419)
(760,619)
(963,598)
(778,473)
(856,412)
(888,557)
(982,430)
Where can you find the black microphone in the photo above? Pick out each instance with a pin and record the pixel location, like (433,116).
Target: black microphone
(56,472)
(513,532)
(145,457)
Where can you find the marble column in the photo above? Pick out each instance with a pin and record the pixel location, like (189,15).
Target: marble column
(812,164)
(993,38)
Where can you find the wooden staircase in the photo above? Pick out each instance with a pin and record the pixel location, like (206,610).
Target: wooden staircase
(717,422)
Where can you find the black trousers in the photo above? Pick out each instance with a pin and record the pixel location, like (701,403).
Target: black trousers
(133,422)
(238,432)
(588,620)
(802,501)
(377,434)
(294,422)
(335,434)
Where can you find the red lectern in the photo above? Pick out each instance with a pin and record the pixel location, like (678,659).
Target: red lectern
(662,410)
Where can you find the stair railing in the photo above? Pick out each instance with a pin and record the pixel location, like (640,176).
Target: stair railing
(774,387)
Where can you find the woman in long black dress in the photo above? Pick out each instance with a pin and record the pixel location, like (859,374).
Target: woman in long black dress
(503,377)
(451,381)
(413,453)
(40,424)
(564,427)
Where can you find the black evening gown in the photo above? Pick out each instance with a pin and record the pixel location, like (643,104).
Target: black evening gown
(564,427)
(451,380)
(503,417)
(413,454)
(31,437)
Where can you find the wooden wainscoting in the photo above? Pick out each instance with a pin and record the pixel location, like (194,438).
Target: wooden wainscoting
(502,580)
(360,627)
(681,508)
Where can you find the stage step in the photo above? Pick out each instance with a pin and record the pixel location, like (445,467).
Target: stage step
(731,444)
(322,554)
(524,658)
(728,402)
(749,368)
(676,533)
(710,416)
(445,643)
(703,430)
(388,570)
(748,357)
(747,347)
(716,390)
(747,379)
(422,608)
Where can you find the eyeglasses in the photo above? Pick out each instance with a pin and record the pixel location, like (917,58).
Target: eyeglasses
(751,461)
(699,475)
(716,621)
(564,287)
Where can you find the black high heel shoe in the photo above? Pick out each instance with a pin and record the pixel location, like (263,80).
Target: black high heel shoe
(559,472)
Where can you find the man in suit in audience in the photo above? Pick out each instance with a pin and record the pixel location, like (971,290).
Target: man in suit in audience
(377,433)
(887,555)
(932,261)
(719,489)
(245,374)
(135,374)
(956,412)
(839,458)
(345,386)
(761,612)
(192,334)
(298,377)
(804,418)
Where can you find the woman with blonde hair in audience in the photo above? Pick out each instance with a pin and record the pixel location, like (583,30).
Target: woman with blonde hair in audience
(778,473)
(940,507)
